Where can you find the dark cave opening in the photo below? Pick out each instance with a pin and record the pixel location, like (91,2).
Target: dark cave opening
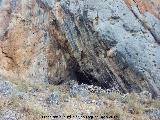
(86,78)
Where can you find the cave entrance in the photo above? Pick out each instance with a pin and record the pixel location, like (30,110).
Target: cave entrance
(86,78)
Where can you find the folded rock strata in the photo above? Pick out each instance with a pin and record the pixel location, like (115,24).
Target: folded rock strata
(109,43)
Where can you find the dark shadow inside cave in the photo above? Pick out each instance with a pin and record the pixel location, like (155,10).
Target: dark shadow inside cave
(86,78)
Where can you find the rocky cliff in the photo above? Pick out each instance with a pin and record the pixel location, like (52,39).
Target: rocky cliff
(79,58)
(109,43)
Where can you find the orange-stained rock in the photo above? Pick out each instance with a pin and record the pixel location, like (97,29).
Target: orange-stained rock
(105,43)
(152,6)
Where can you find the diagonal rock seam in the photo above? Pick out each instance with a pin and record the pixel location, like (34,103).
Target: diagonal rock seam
(64,45)
(145,24)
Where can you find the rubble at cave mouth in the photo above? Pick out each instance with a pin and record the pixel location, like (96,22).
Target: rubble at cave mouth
(85,78)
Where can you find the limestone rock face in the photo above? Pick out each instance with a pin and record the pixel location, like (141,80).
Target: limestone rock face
(111,43)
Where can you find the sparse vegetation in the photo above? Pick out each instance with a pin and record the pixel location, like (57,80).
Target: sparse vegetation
(33,105)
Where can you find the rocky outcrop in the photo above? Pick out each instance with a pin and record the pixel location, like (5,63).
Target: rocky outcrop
(111,43)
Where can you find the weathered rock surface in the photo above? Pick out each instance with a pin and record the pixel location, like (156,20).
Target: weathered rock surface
(111,43)
(6,88)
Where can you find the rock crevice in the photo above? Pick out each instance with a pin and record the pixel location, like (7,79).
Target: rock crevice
(111,43)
